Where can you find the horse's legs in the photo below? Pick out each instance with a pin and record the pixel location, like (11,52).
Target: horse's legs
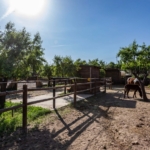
(128,92)
(124,93)
(134,95)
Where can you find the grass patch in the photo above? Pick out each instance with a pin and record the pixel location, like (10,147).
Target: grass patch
(9,124)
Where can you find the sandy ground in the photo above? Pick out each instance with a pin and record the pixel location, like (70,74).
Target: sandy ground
(105,121)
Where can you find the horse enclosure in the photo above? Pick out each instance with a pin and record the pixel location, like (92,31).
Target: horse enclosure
(99,84)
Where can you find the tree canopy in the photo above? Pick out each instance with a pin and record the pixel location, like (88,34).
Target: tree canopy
(20,55)
(64,66)
(135,58)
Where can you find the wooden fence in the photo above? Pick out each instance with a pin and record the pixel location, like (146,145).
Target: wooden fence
(24,91)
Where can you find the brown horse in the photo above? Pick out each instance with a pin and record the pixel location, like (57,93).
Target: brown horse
(134,87)
(132,80)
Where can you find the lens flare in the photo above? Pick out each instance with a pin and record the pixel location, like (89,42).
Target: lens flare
(28,7)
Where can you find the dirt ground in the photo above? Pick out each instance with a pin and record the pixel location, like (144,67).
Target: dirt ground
(105,121)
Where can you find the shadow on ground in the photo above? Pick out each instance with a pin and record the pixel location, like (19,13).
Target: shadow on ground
(89,111)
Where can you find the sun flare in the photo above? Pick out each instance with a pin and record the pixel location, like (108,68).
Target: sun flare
(28,7)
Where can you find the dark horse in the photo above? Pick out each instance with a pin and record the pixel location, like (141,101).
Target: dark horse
(134,87)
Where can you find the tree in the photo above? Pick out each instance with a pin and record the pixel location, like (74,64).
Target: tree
(64,66)
(111,65)
(35,55)
(102,73)
(78,63)
(118,65)
(13,47)
(102,64)
(19,54)
(47,71)
(102,70)
(94,62)
(136,58)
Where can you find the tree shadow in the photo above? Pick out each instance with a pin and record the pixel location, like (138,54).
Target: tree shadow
(117,99)
(34,139)
(141,100)
(90,111)
(90,114)
(50,139)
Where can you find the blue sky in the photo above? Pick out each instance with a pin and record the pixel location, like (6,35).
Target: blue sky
(86,29)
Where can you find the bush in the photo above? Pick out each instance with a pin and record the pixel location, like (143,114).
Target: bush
(102,73)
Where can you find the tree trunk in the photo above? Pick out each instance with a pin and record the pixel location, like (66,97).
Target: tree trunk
(3,89)
(49,82)
(143,92)
(142,85)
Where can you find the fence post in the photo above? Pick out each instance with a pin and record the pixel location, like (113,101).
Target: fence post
(75,92)
(53,93)
(95,88)
(65,88)
(3,89)
(105,84)
(24,120)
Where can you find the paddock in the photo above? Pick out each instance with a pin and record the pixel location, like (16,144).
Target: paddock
(105,121)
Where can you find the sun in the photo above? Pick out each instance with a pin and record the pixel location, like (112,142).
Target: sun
(28,7)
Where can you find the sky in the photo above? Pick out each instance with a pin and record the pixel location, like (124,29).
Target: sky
(85,29)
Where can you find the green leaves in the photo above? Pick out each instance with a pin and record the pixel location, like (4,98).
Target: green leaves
(47,70)
(64,66)
(94,62)
(135,58)
(20,56)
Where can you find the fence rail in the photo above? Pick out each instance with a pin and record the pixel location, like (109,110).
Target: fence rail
(25,103)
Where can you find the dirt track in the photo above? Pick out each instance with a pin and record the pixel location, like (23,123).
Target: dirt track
(106,121)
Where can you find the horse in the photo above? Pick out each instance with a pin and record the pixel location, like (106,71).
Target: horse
(132,80)
(134,87)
